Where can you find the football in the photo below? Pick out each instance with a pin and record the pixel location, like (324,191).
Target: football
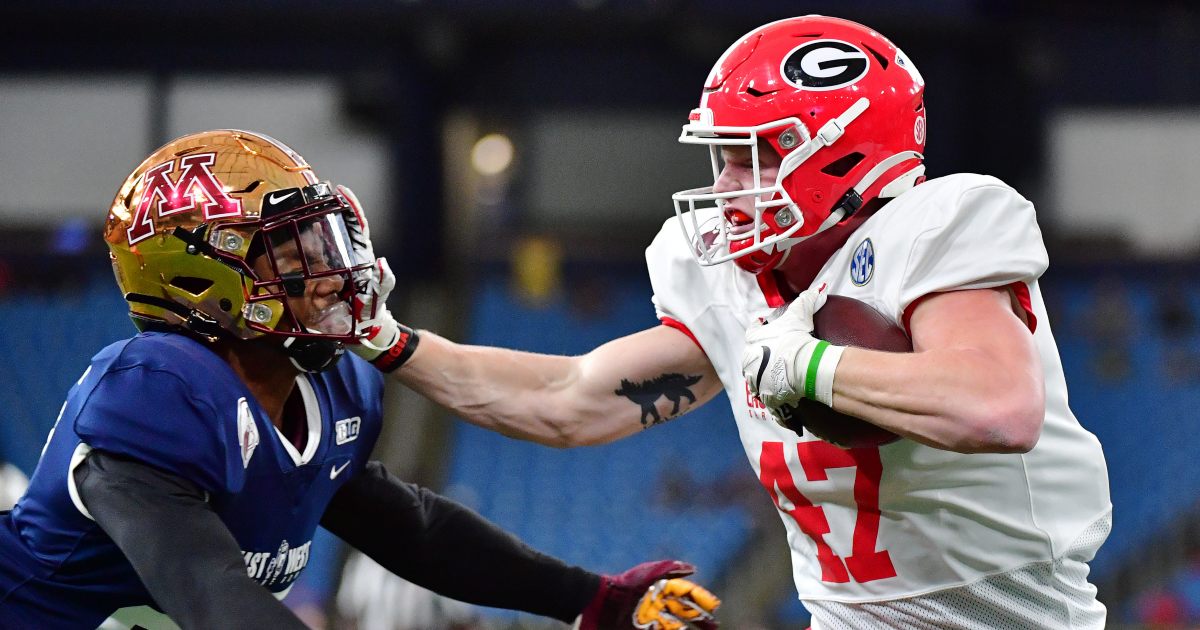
(846,321)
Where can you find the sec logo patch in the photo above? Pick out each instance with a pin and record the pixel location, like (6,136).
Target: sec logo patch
(862,264)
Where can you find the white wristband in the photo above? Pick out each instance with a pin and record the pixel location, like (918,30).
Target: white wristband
(816,371)
(825,371)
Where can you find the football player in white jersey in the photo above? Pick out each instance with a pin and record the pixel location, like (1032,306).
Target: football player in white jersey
(985,515)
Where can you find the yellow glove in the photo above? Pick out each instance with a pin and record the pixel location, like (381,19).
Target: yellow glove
(676,604)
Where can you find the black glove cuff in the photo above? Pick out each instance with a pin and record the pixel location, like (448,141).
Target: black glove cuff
(399,353)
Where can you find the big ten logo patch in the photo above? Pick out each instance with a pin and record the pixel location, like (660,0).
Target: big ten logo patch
(347,430)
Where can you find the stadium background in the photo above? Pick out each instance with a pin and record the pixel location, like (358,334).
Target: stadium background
(516,157)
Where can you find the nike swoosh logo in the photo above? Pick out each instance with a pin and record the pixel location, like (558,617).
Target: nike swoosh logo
(762,367)
(337,470)
(274,200)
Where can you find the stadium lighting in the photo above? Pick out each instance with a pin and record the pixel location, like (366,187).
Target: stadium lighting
(492,154)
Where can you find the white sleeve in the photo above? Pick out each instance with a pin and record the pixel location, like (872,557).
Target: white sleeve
(987,237)
(668,271)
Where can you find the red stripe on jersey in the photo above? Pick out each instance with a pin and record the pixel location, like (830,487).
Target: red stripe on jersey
(1019,289)
(681,327)
(770,289)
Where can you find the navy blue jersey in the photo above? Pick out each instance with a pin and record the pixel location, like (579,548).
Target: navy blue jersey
(167,401)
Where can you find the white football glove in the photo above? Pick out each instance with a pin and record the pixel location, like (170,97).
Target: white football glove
(783,362)
(376,329)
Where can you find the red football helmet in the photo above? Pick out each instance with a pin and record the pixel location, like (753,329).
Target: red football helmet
(840,104)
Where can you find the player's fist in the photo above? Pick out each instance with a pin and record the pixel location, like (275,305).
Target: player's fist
(676,604)
(649,597)
(783,362)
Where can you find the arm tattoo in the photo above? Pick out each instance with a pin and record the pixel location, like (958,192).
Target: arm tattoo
(674,387)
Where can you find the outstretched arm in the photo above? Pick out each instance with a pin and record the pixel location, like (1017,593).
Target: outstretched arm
(621,387)
(611,392)
(441,545)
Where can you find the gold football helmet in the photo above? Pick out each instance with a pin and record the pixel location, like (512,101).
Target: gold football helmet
(215,231)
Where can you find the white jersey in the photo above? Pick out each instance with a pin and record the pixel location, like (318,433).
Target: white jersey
(976,538)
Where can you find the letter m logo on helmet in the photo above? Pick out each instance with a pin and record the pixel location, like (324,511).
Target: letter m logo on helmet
(196,185)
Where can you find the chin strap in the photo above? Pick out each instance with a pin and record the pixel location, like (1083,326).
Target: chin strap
(307,354)
(313,355)
(193,320)
(828,134)
(896,186)
(853,199)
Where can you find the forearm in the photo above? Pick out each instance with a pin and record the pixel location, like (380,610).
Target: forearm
(955,399)
(520,394)
(617,389)
(432,541)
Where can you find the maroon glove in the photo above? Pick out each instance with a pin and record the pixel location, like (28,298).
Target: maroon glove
(617,599)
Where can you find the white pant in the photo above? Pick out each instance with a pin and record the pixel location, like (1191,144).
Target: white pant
(1051,595)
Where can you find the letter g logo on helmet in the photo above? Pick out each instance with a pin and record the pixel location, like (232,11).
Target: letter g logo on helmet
(826,64)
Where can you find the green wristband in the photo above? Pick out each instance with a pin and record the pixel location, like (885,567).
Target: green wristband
(810,376)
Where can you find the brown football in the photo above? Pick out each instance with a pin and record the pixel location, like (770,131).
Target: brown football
(846,321)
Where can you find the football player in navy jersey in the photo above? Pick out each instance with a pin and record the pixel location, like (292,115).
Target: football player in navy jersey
(191,464)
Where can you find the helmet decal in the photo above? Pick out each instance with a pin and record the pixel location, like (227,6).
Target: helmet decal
(826,64)
(231,232)
(903,61)
(196,183)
